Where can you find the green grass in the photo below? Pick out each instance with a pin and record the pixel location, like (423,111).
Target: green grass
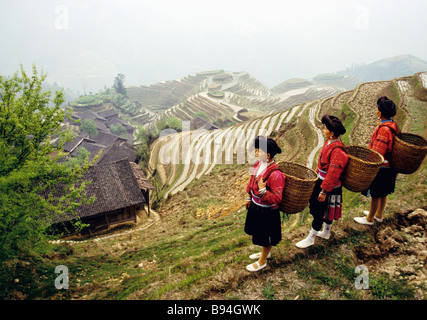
(349,119)
(383,287)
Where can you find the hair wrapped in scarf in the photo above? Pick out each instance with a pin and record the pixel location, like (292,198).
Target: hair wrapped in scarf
(386,107)
(267,145)
(333,124)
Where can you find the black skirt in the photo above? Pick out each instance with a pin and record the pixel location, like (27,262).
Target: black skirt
(383,183)
(326,210)
(264,225)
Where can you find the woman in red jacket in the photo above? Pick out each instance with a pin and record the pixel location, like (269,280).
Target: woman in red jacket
(265,189)
(385,181)
(326,199)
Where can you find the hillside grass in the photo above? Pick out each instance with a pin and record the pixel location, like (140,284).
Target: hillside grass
(184,257)
(349,120)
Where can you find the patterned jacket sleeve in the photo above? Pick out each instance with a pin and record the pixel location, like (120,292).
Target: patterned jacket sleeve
(337,164)
(248,187)
(382,140)
(275,185)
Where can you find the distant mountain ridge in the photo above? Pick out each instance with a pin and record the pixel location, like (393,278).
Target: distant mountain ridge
(387,69)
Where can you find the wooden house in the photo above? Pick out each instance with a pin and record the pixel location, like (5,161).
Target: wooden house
(119,191)
(108,114)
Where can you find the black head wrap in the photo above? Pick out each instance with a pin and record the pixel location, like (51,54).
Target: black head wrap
(267,145)
(333,124)
(386,106)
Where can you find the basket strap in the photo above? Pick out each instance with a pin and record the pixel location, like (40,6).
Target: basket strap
(335,147)
(398,134)
(268,175)
(395,133)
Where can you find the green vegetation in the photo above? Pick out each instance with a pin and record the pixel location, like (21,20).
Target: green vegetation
(216,94)
(89,126)
(29,171)
(119,84)
(119,130)
(384,287)
(348,118)
(88,100)
(201,114)
(79,159)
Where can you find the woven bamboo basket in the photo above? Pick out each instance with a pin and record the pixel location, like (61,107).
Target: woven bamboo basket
(362,167)
(408,153)
(299,185)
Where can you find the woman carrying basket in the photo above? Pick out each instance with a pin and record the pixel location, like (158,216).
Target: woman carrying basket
(265,189)
(326,199)
(385,180)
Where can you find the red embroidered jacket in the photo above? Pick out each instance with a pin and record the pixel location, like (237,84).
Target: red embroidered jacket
(382,140)
(331,164)
(275,184)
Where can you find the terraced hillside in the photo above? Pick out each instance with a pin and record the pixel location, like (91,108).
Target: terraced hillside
(191,155)
(194,247)
(217,96)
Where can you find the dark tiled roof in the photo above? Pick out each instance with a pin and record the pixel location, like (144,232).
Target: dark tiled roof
(71,145)
(107,139)
(115,121)
(91,115)
(92,147)
(101,125)
(118,151)
(108,113)
(115,187)
(141,178)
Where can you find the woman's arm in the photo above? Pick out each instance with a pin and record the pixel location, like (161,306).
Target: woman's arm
(275,184)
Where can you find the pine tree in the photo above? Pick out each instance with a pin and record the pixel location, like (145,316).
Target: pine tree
(118,84)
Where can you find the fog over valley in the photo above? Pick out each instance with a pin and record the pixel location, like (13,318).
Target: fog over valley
(83,45)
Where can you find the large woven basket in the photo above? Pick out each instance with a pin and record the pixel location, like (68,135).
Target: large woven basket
(408,153)
(299,185)
(362,167)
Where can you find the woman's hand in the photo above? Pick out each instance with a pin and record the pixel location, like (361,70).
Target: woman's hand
(248,203)
(321,197)
(261,184)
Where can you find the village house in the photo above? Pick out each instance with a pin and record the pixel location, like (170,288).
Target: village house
(121,192)
(120,187)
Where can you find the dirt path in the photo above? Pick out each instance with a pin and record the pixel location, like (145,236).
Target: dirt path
(320,140)
(423,77)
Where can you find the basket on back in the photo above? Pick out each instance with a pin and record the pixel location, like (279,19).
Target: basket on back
(362,167)
(408,153)
(299,185)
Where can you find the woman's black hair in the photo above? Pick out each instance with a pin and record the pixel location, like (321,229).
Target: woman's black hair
(386,107)
(267,145)
(333,124)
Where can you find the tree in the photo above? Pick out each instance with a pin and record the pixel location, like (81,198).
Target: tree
(89,126)
(80,158)
(35,188)
(119,130)
(118,84)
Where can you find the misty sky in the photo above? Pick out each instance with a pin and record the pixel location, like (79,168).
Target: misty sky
(84,44)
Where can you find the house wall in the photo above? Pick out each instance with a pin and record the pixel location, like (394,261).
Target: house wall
(101,221)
